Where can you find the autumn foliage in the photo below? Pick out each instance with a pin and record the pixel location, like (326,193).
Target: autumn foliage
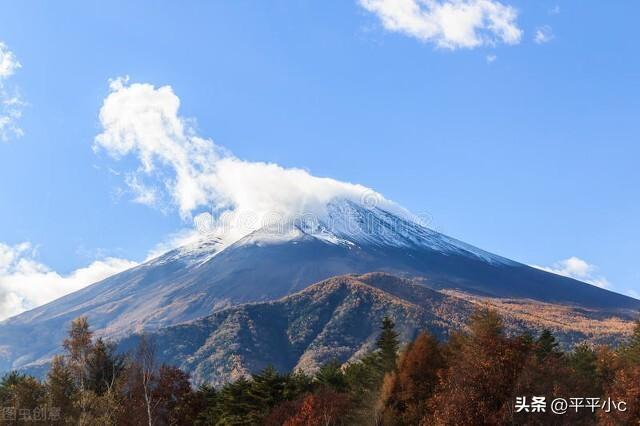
(474,377)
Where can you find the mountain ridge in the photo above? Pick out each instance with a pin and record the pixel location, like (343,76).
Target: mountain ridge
(194,281)
(337,318)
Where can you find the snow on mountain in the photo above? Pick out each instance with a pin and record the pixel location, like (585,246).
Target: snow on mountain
(347,223)
(277,259)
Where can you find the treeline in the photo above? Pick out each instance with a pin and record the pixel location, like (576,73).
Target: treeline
(479,376)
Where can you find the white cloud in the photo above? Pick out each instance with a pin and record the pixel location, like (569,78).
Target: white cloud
(491,58)
(143,194)
(543,34)
(25,283)
(178,167)
(555,10)
(8,62)
(449,24)
(10,103)
(578,269)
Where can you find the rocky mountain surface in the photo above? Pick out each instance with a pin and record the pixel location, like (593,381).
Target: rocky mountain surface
(339,318)
(277,260)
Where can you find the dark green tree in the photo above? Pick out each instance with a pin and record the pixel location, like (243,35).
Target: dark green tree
(297,384)
(104,366)
(585,377)
(546,344)
(388,345)
(7,383)
(235,406)
(331,376)
(267,390)
(208,413)
(366,374)
(631,350)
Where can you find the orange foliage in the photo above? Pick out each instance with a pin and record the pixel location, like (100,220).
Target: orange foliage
(625,387)
(323,408)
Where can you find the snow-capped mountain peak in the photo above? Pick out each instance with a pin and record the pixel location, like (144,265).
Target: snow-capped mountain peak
(349,223)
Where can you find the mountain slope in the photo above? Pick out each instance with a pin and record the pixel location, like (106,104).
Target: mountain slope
(335,319)
(279,259)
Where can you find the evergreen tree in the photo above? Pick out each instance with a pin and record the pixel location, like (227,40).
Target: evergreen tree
(546,344)
(234,404)
(20,391)
(388,344)
(267,390)
(7,384)
(631,350)
(366,374)
(103,367)
(296,384)
(583,361)
(208,414)
(527,339)
(330,375)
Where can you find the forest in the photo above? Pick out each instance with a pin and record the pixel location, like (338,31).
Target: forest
(478,376)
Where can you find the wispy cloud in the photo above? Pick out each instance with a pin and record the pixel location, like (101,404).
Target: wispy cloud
(26,283)
(10,102)
(179,168)
(449,24)
(491,58)
(576,268)
(543,34)
(555,10)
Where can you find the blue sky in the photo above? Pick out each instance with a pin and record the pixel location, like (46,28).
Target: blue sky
(524,144)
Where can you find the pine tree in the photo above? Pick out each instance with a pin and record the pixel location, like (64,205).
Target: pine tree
(364,375)
(267,390)
(584,363)
(331,376)
(631,350)
(103,367)
(388,344)
(296,384)
(235,406)
(546,344)
(208,414)
(21,391)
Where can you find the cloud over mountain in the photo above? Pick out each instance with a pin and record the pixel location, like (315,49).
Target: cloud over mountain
(175,165)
